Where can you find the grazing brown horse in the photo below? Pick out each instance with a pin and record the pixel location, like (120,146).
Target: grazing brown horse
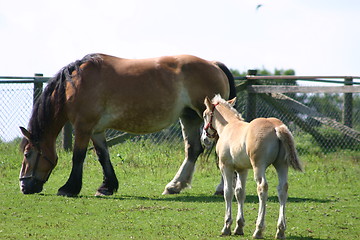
(242,146)
(136,96)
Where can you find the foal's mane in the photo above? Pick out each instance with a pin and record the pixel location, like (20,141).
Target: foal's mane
(45,111)
(218,99)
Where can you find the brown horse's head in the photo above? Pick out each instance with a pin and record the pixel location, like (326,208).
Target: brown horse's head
(36,166)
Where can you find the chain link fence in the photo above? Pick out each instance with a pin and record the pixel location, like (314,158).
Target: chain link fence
(16,100)
(316,119)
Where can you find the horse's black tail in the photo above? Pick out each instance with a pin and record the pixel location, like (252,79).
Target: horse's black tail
(230,78)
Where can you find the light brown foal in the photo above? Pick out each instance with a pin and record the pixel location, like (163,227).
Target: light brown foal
(242,146)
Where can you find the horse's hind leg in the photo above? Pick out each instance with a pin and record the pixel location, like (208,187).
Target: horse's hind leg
(240,197)
(110,183)
(282,171)
(262,190)
(190,124)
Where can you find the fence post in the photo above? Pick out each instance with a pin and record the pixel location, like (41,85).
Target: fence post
(251,101)
(348,104)
(38,86)
(67,137)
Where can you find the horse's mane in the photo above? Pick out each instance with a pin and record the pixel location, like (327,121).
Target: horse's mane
(45,110)
(219,99)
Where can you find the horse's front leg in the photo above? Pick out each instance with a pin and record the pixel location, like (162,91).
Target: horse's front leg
(190,124)
(228,175)
(73,185)
(219,190)
(110,183)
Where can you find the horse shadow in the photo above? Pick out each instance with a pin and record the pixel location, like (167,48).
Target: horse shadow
(303,238)
(249,199)
(204,198)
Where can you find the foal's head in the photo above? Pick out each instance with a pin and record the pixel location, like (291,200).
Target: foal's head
(209,133)
(36,166)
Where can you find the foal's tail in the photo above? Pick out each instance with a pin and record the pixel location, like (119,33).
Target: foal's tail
(230,79)
(287,139)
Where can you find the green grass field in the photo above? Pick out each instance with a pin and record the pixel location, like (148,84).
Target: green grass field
(324,202)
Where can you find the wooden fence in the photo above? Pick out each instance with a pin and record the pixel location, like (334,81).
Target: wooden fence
(274,95)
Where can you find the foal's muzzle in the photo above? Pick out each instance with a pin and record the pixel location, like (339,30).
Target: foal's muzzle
(206,141)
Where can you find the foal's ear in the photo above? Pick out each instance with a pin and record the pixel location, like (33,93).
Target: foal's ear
(26,133)
(232,101)
(207,102)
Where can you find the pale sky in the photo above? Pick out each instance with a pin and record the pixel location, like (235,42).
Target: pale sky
(313,37)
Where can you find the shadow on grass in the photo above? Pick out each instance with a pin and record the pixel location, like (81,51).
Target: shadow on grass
(249,199)
(199,198)
(303,238)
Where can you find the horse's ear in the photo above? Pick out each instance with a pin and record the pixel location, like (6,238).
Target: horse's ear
(232,101)
(26,133)
(207,102)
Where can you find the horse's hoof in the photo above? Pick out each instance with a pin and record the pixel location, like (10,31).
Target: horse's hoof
(103,193)
(65,194)
(280,235)
(258,236)
(170,191)
(225,233)
(219,193)
(239,232)
(69,190)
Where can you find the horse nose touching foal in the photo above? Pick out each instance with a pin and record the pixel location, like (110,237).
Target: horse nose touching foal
(241,146)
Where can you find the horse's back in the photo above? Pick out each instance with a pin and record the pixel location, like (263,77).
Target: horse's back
(198,76)
(142,95)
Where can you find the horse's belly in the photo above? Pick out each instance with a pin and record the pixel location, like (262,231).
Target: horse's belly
(242,161)
(139,124)
(148,112)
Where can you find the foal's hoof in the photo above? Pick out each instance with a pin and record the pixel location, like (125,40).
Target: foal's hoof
(239,232)
(258,235)
(226,232)
(280,235)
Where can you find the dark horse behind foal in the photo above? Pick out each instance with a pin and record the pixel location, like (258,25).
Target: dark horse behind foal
(131,95)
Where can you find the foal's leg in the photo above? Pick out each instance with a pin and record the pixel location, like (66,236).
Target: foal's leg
(228,175)
(110,183)
(190,124)
(73,185)
(262,190)
(282,171)
(240,197)
(219,190)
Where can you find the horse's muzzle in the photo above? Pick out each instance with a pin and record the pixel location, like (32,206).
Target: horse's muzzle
(31,185)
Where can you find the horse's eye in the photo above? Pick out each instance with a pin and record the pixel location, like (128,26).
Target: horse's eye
(27,154)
